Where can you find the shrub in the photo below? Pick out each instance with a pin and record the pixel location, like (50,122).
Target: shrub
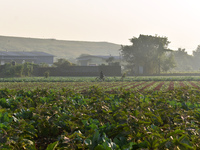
(46,74)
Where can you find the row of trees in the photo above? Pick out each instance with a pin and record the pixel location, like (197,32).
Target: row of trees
(186,62)
(17,70)
(150,53)
(13,69)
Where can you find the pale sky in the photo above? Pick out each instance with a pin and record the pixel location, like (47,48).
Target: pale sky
(114,21)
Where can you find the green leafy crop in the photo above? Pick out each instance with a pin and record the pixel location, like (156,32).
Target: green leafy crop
(95,119)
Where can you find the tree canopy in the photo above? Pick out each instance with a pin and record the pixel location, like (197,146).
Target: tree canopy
(196,58)
(146,51)
(62,63)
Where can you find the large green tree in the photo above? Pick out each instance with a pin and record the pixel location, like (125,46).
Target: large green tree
(146,51)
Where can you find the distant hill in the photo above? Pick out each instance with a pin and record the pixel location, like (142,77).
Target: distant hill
(59,48)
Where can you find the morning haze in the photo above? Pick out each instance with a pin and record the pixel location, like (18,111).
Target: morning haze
(99,74)
(100,20)
(68,28)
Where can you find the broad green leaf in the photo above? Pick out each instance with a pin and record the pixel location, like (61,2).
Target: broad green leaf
(101,147)
(52,146)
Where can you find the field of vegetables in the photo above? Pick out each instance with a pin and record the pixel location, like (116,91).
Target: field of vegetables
(79,115)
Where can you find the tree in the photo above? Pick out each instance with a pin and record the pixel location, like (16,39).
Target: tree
(196,53)
(196,59)
(146,51)
(28,68)
(184,62)
(168,63)
(62,63)
(110,60)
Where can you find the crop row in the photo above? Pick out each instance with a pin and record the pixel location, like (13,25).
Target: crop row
(106,86)
(107,79)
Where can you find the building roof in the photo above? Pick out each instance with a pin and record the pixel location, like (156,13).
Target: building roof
(22,53)
(98,56)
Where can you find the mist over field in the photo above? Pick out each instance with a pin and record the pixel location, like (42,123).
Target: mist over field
(71,50)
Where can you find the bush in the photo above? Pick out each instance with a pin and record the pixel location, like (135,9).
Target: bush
(46,74)
(17,70)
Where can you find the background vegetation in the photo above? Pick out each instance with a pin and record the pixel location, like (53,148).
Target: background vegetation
(70,50)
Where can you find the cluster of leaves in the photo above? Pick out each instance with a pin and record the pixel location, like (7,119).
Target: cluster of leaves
(98,120)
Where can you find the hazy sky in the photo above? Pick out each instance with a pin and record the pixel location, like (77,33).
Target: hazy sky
(114,21)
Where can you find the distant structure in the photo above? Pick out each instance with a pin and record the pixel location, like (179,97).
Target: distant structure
(96,60)
(21,57)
